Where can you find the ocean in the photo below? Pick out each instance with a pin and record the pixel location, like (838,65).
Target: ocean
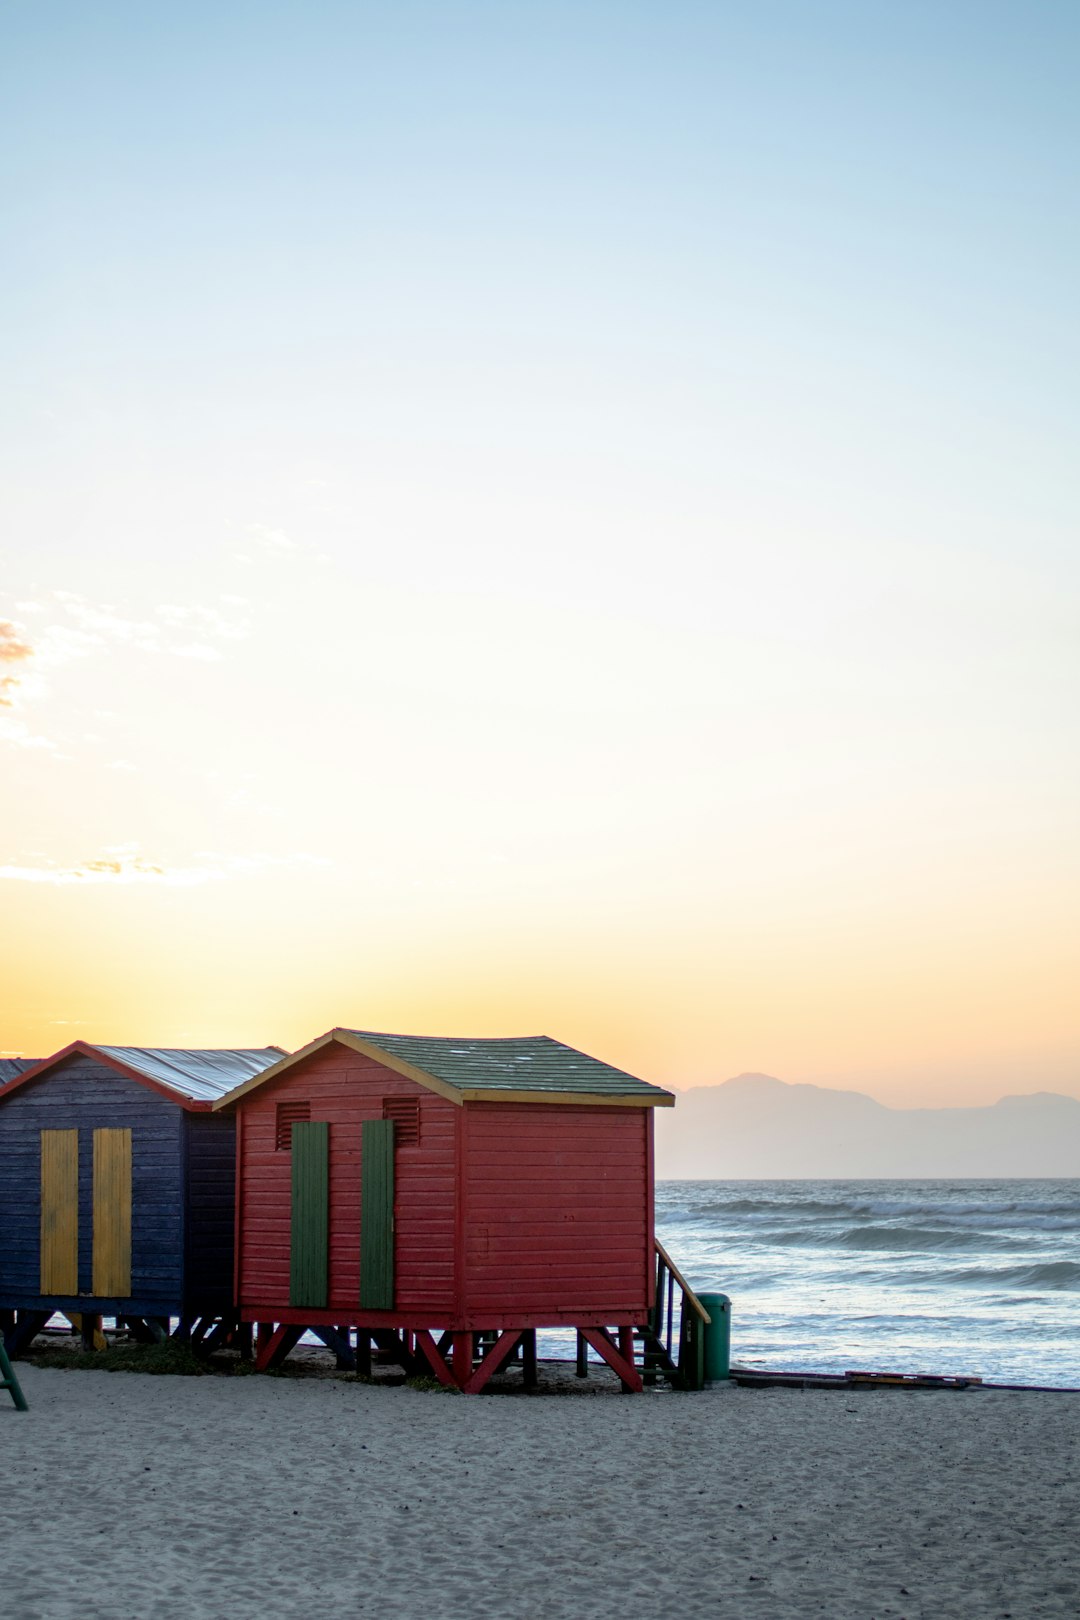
(947,1277)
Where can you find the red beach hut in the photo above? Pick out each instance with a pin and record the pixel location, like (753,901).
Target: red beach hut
(445,1198)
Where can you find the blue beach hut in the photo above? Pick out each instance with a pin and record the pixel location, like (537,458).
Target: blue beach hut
(117,1185)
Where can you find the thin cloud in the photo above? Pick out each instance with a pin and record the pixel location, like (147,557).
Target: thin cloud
(270,539)
(19,735)
(77,629)
(14,649)
(125,866)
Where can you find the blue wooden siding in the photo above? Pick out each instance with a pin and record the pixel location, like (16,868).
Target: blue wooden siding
(211,1213)
(83,1095)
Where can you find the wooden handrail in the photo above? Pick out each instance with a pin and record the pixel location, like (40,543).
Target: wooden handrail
(689,1296)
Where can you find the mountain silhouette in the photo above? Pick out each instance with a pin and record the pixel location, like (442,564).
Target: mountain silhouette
(757,1127)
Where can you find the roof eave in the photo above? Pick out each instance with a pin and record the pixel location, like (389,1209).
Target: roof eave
(192,1105)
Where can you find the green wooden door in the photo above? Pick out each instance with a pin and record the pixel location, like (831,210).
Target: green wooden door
(309,1249)
(377,1214)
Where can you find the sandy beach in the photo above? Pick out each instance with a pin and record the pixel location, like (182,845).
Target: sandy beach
(127,1494)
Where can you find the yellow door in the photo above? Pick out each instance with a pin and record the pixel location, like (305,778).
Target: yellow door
(60,1212)
(112,1214)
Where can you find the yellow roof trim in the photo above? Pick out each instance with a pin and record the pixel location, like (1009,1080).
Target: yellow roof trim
(272,1072)
(662,1099)
(430,1082)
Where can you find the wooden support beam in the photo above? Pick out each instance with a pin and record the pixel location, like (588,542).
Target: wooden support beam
(626,1350)
(492,1361)
(219,1335)
(28,1325)
(462,1358)
(581,1359)
(528,1358)
(272,1351)
(429,1351)
(336,1339)
(604,1346)
(394,1348)
(363,1353)
(90,1331)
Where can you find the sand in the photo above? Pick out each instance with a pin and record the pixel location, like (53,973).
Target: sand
(125,1495)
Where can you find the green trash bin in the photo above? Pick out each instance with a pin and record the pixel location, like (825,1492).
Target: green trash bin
(717,1337)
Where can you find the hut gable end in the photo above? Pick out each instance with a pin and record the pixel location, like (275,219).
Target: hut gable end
(342,1088)
(82,1094)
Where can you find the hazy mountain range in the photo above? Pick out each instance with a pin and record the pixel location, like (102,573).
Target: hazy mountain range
(758,1127)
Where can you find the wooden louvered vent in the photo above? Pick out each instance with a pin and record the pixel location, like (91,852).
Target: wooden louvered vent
(405,1113)
(288,1115)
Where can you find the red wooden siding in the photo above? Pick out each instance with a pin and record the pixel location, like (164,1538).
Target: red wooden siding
(557,1214)
(344,1089)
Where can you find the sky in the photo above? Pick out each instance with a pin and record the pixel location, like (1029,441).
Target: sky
(554,518)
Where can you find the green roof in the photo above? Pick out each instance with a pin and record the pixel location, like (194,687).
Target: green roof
(517,1063)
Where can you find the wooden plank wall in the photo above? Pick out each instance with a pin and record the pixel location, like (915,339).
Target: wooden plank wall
(343,1089)
(557,1208)
(210,1209)
(84,1095)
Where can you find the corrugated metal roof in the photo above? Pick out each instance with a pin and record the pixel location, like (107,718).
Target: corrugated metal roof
(514,1063)
(10,1067)
(203,1075)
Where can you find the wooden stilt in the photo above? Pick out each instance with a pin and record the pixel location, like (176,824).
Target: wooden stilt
(393,1348)
(336,1339)
(222,1332)
(462,1358)
(492,1361)
(28,1325)
(273,1351)
(90,1332)
(604,1346)
(582,1359)
(428,1350)
(626,1350)
(528,1358)
(363,1353)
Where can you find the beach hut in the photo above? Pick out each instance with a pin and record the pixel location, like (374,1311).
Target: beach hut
(445,1198)
(117,1188)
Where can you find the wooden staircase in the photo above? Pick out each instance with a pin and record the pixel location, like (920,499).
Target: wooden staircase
(673,1342)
